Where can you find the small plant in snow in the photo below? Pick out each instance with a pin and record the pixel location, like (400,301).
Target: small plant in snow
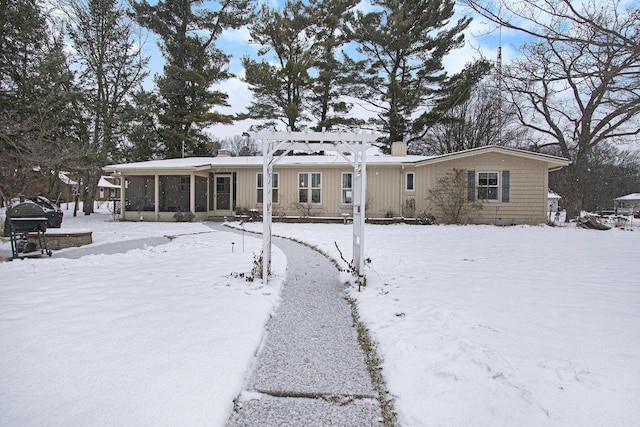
(256,270)
(361,279)
(304,210)
(425,218)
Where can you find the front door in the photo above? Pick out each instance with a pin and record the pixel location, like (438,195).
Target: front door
(222,194)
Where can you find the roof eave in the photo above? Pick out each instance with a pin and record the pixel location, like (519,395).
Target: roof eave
(555,163)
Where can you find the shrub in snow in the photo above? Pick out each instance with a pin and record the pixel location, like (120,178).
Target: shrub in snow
(184,216)
(451,197)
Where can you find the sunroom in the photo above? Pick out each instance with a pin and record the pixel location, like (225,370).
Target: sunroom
(176,189)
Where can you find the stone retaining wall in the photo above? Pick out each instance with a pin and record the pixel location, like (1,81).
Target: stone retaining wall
(59,240)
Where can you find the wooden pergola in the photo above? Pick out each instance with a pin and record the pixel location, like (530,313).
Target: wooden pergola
(276,145)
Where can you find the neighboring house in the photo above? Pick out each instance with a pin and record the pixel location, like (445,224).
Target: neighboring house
(552,201)
(513,185)
(108,188)
(69,187)
(627,205)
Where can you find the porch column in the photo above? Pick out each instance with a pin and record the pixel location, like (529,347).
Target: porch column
(192,192)
(123,196)
(156,205)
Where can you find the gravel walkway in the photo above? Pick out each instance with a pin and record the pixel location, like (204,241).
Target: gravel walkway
(310,370)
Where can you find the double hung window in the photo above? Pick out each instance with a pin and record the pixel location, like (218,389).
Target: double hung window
(310,187)
(275,187)
(487,185)
(347,188)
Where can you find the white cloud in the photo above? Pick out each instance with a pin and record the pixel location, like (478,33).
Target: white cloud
(240,35)
(222,131)
(239,95)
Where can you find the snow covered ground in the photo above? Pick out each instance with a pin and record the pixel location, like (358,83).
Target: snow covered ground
(476,325)
(155,336)
(501,326)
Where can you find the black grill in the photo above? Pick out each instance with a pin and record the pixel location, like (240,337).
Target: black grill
(24,218)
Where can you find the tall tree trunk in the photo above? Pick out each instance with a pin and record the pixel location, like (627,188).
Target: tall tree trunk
(577,180)
(89,190)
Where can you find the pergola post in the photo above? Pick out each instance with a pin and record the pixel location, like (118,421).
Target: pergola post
(353,142)
(267,200)
(359,206)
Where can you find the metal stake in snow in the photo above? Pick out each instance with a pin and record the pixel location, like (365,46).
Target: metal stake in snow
(282,143)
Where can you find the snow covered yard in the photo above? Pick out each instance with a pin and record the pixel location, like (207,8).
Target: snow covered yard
(154,336)
(500,326)
(476,325)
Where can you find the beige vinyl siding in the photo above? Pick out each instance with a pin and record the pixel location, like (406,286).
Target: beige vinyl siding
(288,188)
(385,189)
(387,194)
(246,188)
(527,189)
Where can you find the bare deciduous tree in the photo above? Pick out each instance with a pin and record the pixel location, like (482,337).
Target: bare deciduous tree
(450,198)
(552,19)
(577,83)
(241,146)
(112,67)
(471,124)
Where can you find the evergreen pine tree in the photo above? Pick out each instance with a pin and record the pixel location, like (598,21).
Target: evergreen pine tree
(188,31)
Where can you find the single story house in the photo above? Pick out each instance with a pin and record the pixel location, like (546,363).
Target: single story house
(512,185)
(627,205)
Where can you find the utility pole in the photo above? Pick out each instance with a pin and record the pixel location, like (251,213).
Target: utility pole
(499,73)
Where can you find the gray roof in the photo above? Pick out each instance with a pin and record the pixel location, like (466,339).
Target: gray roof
(373,158)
